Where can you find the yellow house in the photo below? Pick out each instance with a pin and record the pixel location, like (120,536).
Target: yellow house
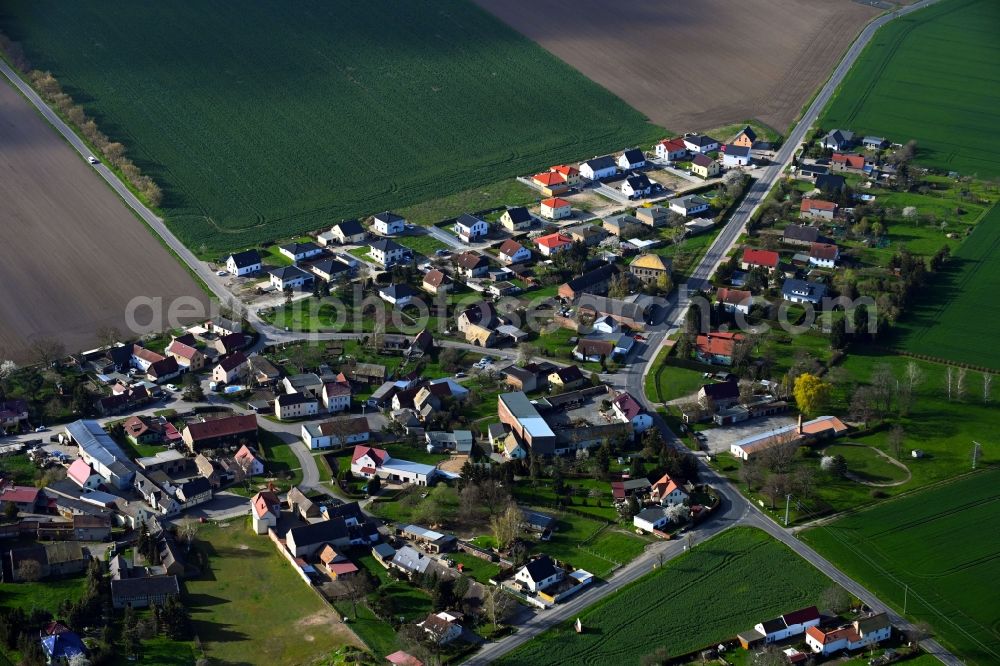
(650,268)
(704,166)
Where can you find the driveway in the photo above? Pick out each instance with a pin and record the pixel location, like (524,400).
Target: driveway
(719,439)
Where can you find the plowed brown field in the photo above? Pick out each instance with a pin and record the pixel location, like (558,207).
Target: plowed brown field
(71,255)
(693,65)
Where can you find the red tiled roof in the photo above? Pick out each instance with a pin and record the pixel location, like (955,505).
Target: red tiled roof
(851,161)
(228,425)
(673,145)
(378,455)
(628,405)
(510,247)
(341,568)
(334,389)
(265,502)
(400,658)
(553,240)
(767,258)
(79,471)
(733,296)
(19,494)
(802,615)
(178,348)
(718,344)
(824,251)
(664,486)
(808,205)
(555,202)
(549,178)
(435,278)
(565,170)
(147,355)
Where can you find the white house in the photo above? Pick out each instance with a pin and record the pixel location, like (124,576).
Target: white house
(824,255)
(555,208)
(518,218)
(243,263)
(667,492)
(698,143)
(369,462)
(629,410)
(300,251)
(599,167)
(387,223)
(838,139)
(337,433)
(336,396)
(636,186)
(788,625)
(512,252)
(348,231)
(689,205)
(459,441)
(631,159)
(387,252)
(249,461)
(539,574)
(289,277)
(265,507)
(653,518)
(295,406)
(399,295)
(231,369)
(442,627)
(470,228)
(736,156)
(859,634)
(671,150)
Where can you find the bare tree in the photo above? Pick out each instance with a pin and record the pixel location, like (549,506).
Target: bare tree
(526,352)
(950,379)
(835,599)
(750,474)
(987,386)
(496,604)
(883,385)
(914,375)
(896,438)
(47,350)
(960,384)
(108,336)
(507,526)
(355,589)
(187,531)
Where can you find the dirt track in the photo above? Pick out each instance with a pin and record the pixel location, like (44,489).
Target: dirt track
(696,65)
(71,255)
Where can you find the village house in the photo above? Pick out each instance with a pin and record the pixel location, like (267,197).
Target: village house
(802,291)
(229,343)
(102,453)
(735,300)
(593,350)
(570,173)
(720,395)
(752,258)
(388,224)
(368,462)
(531,377)
(637,186)
(745,139)
(82,474)
(817,209)
(671,150)
(539,573)
(470,228)
(689,205)
(471,264)
(631,159)
(704,166)
(518,218)
(697,143)
(650,268)
(848,163)
(516,411)
(874,142)
(12,414)
(788,625)
(482,314)
(243,263)
(398,295)
(295,406)
(330,270)
(512,252)
(824,255)
(459,441)
(349,231)
(411,561)
(300,251)
(305,541)
(838,139)
(861,633)
(622,490)
(736,156)
(653,216)
(337,433)
(797,234)
(436,282)
(599,167)
(337,565)
(812,171)
(550,183)
(221,432)
(186,355)
(308,383)
(555,208)
(442,627)
(716,348)
(289,278)
(231,369)
(553,243)
(667,492)
(219,325)
(633,311)
(567,378)
(618,224)
(831,184)
(628,409)
(248,461)
(595,281)
(336,396)
(588,234)
(387,252)
(143,591)
(651,519)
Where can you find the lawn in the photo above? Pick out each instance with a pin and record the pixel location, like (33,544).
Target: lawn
(698,599)
(476,567)
(507,192)
(589,496)
(227,603)
(46,595)
(279,459)
(932,76)
(941,544)
(668,382)
(320,112)
(589,544)
(865,463)
(425,245)
(944,322)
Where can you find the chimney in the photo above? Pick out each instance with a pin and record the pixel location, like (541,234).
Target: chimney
(800,424)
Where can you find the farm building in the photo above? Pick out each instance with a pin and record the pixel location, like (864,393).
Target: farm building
(821,427)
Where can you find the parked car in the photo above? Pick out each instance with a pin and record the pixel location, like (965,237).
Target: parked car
(221,273)
(171,387)
(41,429)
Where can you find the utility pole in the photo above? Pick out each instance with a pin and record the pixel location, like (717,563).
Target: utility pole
(906,596)
(788,499)
(975,453)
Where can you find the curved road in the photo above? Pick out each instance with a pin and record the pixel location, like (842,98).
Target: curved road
(734,510)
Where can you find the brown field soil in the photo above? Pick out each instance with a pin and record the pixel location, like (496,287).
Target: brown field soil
(691,66)
(71,254)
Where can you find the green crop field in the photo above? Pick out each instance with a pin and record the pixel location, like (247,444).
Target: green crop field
(932,76)
(698,599)
(946,321)
(943,545)
(262,120)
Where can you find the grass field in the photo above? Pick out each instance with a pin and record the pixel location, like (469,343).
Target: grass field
(944,322)
(696,600)
(942,544)
(318,113)
(228,601)
(932,76)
